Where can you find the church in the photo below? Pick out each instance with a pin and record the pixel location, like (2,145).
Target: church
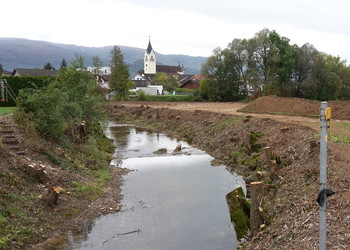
(150,67)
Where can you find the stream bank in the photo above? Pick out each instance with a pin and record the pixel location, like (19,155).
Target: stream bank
(238,142)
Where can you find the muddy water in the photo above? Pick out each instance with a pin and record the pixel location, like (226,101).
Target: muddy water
(169,201)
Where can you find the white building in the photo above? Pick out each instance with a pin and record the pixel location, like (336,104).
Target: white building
(149,60)
(100,71)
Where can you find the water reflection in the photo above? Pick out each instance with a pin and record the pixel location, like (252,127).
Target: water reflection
(169,202)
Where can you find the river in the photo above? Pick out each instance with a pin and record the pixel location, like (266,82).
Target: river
(170,201)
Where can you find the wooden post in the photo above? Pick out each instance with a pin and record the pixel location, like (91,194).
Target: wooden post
(256,219)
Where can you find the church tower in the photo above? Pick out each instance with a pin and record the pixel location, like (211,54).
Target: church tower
(149,61)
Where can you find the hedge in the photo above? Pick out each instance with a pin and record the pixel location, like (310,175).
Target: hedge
(17,83)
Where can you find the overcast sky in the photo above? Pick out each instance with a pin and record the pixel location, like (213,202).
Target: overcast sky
(191,27)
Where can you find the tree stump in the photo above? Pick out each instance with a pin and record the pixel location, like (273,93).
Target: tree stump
(268,154)
(256,218)
(271,160)
(53,196)
(38,172)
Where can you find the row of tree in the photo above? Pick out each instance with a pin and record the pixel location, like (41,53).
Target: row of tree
(268,62)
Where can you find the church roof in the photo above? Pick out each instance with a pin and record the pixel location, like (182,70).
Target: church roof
(168,69)
(149,47)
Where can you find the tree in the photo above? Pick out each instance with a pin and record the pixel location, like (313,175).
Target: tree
(208,90)
(48,66)
(119,80)
(1,69)
(63,65)
(239,53)
(169,82)
(78,62)
(221,69)
(284,58)
(263,55)
(97,63)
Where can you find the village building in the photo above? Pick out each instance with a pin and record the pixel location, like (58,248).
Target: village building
(191,82)
(143,78)
(34,72)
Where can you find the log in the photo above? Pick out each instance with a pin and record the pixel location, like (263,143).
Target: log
(256,219)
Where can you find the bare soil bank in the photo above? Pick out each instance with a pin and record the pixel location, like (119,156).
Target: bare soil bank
(230,138)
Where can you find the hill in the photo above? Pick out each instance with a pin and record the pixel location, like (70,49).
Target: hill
(24,53)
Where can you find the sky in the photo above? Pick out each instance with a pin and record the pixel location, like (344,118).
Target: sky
(189,27)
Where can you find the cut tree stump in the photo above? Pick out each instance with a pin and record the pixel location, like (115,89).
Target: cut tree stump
(256,219)
(53,196)
(38,172)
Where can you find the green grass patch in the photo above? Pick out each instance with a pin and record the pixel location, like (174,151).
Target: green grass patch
(339,138)
(6,110)
(171,98)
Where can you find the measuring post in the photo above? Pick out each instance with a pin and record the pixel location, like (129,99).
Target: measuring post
(325,121)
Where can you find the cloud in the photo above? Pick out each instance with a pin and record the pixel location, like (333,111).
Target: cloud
(178,27)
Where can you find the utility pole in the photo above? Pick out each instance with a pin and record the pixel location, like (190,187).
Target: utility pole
(323,174)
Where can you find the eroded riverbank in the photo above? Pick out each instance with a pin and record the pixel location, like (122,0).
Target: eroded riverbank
(237,141)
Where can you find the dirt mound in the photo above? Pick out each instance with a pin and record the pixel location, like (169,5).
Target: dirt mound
(296,106)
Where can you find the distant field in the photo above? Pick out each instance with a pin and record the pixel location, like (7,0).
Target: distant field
(6,110)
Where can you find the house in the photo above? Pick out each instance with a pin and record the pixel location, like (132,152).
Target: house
(191,82)
(34,72)
(6,73)
(101,71)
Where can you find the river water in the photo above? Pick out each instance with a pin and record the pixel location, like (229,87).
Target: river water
(169,201)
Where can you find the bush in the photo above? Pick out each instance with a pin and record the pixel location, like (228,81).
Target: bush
(58,109)
(270,89)
(24,82)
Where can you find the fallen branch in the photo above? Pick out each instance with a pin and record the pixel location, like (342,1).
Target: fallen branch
(136,231)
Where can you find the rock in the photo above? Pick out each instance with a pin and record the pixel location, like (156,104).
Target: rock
(160,151)
(178,148)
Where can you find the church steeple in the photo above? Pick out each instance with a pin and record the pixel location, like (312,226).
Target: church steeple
(149,47)
(149,61)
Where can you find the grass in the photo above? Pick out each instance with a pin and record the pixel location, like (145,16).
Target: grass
(6,110)
(339,138)
(344,125)
(171,98)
